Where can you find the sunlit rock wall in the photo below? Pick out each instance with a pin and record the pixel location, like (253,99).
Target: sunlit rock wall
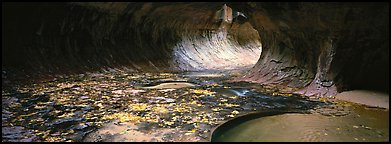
(308,48)
(149,37)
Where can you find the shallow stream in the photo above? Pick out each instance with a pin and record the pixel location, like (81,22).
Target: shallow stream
(69,108)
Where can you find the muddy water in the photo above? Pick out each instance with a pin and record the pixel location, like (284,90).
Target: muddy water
(362,124)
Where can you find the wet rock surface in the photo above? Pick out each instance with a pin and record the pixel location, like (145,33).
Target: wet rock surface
(314,49)
(331,49)
(74,107)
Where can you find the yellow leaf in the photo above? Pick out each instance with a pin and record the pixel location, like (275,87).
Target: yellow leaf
(233,97)
(168,123)
(229,105)
(224,100)
(206,92)
(230,115)
(139,107)
(39,107)
(235,112)
(213,85)
(216,109)
(192,131)
(71,131)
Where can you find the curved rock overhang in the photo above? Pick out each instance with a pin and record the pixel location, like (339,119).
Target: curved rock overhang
(321,48)
(138,36)
(307,48)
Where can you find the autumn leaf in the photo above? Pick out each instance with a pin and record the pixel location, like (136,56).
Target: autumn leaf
(205,92)
(234,112)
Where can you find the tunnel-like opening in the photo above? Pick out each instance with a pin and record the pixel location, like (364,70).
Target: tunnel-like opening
(218,50)
(311,51)
(75,37)
(139,36)
(139,63)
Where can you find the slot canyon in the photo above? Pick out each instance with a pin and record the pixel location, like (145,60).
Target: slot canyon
(190,71)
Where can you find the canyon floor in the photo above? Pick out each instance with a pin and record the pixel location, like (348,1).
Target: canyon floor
(167,107)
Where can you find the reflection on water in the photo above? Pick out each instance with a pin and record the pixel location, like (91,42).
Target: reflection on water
(169,85)
(69,108)
(362,124)
(234,92)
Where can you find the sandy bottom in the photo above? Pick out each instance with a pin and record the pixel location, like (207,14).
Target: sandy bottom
(360,125)
(365,97)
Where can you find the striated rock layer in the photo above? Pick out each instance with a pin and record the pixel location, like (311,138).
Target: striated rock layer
(321,48)
(307,48)
(138,36)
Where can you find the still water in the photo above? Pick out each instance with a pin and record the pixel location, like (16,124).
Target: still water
(68,108)
(362,124)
